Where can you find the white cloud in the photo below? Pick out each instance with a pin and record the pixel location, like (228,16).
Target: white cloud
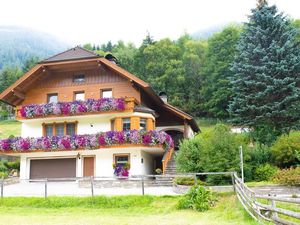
(98,21)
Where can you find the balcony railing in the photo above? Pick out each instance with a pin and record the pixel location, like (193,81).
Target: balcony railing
(88,142)
(90,106)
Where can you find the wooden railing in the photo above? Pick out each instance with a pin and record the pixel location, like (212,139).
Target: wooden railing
(166,158)
(265,208)
(130,102)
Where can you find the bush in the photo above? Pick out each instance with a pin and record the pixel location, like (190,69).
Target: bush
(3,167)
(286,150)
(188,180)
(3,174)
(214,151)
(254,157)
(265,172)
(190,154)
(198,198)
(13,165)
(289,176)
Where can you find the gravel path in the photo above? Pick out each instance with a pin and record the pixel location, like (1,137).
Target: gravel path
(72,189)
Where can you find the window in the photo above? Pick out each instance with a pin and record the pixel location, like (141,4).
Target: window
(143,124)
(59,129)
(78,78)
(112,125)
(52,98)
(70,129)
(106,93)
(49,130)
(126,123)
(121,160)
(79,96)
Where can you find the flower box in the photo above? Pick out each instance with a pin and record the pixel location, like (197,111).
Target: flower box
(88,141)
(72,108)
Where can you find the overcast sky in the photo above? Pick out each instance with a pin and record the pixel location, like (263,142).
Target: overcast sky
(97,21)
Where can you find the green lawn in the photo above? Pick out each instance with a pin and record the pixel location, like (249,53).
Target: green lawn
(10,127)
(118,210)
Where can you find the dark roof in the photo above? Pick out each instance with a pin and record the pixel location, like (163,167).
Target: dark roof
(145,109)
(71,54)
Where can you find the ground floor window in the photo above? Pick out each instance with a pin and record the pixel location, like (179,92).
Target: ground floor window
(121,159)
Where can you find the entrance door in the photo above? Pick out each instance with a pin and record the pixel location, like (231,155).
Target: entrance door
(88,166)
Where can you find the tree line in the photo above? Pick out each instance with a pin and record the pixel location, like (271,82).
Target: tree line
(246,73)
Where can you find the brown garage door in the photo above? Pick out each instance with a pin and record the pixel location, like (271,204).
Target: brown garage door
(52,168)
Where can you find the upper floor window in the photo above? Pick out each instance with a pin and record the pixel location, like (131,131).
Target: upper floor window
(112,125)
(59,129)
(79,96)
(126,123)
(106,93)
(79,78)
(52,98)
(143,124)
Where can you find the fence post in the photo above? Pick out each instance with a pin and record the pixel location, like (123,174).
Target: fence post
(92,186)
(2,186)
(274,215)
(233,182)
(195,178)
(143,186)
(46,187)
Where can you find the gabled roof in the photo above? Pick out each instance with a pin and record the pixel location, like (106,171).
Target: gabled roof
(80,55)
(72,54)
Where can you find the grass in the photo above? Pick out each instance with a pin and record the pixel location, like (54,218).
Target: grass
(140,210)
(9,127)
(260,183)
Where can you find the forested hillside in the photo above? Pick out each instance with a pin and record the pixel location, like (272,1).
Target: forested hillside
(18,44)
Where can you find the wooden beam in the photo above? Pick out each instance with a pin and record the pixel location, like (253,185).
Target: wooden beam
(19,94)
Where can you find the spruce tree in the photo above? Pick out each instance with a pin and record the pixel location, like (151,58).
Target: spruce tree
(266,81)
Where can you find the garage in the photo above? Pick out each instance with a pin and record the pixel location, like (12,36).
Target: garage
(52,168)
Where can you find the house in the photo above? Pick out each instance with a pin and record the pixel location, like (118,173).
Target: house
(83,115)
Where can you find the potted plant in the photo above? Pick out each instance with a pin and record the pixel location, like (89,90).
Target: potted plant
(121,171)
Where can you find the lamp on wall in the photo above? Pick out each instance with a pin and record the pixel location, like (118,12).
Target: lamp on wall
(78,156)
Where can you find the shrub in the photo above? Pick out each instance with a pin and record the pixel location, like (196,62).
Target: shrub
(289,176)
(254,157)
(286,150)
(3,174)
(264,172)
(214,151)
(189,181)
(190,156)
(3,167)
(13,165)
(198,198)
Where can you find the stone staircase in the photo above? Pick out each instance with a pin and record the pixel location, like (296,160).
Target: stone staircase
(170,170)
(171,167)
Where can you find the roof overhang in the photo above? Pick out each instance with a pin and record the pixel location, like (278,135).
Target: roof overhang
(13,95)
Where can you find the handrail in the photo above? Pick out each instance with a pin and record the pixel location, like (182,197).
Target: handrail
(166,158)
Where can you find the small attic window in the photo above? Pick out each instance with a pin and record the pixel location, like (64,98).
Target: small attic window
(78,78)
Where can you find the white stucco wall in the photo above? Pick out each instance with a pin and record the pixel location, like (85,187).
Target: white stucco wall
(89,124)
(147,167)
(190,132)
(104,159)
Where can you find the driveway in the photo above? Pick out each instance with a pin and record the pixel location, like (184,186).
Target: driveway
(35,189)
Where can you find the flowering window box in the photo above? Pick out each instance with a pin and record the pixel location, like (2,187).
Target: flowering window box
(72,108)
(88,141)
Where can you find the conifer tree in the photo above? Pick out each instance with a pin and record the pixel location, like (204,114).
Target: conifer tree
(266,81)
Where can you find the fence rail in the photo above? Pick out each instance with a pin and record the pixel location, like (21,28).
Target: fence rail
(260,207)
(261,211)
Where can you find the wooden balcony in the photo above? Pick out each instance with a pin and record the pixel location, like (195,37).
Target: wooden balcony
(129,104)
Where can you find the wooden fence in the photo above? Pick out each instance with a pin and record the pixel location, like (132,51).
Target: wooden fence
(263,208)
